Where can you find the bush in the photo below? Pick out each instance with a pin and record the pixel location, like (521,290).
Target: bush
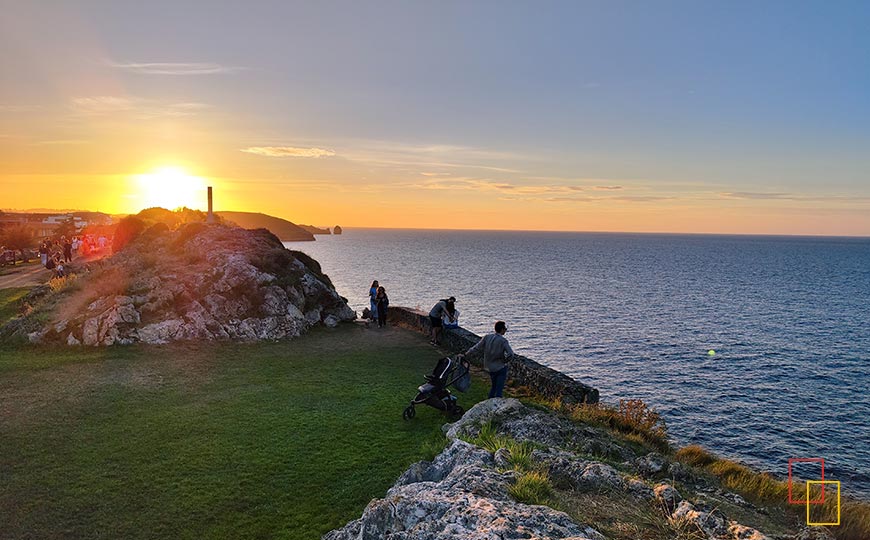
(58,284)
(632,416)
(128,228)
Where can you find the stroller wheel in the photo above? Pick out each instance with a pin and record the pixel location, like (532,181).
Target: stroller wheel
(409,412)
(456,412)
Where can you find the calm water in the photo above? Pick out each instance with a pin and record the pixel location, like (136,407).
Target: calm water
(634,315)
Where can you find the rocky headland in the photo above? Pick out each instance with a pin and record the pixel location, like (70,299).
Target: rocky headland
(198,282)
(470,490)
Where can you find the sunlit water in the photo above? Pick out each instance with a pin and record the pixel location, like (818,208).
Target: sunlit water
(634,315)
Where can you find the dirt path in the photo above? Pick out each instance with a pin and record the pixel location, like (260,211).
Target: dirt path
(25,276)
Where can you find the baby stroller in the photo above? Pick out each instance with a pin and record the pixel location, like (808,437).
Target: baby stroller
(435,392)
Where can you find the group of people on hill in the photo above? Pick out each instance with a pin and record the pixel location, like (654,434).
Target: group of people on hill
(54,254)
(496,350)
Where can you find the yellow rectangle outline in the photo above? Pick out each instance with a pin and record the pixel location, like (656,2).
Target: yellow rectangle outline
(837,482)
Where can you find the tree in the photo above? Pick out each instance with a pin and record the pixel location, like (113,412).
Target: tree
(17,237)
(67,228)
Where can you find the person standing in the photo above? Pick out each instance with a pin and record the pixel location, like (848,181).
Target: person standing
(382,302)
(43,252)
(67,250)
(373,303)
(497,353)
(436,313)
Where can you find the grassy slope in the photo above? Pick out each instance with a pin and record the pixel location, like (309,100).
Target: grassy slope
(9,302)
(283,440)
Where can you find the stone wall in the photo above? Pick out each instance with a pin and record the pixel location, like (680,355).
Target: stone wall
(523,371)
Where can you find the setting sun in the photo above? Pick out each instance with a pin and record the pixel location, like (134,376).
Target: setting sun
(170,187)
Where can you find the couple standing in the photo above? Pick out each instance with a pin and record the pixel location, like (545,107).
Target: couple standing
(379,303)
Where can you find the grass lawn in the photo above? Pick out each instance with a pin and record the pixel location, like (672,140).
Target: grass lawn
(9,302)
(272,440)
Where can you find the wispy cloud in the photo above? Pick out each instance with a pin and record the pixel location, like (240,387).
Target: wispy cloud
(288,151)
(174,68)
(60,142)
(756,195)
(795,197)
(486,184)
(19,108)
(139,107)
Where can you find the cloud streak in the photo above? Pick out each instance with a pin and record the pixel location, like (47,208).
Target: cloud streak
(288,151)
(174,68)
(138,107)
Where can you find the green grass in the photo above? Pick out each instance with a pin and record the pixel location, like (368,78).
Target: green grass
(277,440)
(9,302)
(532,487)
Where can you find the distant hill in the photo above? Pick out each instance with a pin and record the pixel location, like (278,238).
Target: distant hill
(283,229)
(315,230)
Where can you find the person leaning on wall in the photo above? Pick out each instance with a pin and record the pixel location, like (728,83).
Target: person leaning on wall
(497,354)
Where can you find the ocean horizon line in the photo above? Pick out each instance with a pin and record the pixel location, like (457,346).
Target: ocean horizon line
(639,233)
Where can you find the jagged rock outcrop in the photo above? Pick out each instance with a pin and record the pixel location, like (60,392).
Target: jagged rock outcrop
(201,282)
(465,491)
(460,495)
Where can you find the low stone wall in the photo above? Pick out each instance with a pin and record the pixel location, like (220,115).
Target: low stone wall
(523,371)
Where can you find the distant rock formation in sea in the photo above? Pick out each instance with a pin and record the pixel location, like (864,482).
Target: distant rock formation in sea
(285,230)
(336,229)
(199,282)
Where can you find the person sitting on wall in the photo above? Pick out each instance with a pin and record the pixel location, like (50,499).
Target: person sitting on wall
(451,318)
(497,353)
(435,315)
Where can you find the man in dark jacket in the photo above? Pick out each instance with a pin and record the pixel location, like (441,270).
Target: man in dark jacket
(497,353)
(436,313)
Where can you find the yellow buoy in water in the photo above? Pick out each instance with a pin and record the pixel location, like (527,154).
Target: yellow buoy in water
(711,352)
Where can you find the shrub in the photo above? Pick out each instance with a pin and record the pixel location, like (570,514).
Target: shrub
(695,455)
(532,488)
(630,417)
(128,228)
(58,284)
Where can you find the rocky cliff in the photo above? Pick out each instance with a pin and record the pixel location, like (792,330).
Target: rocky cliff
(287,231)
(470,492)
(200,282)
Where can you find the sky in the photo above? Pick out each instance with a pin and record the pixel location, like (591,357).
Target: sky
(697,116)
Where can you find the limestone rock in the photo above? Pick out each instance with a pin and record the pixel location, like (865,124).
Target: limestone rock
(494,409)
(711,523)
(201,282)
(667,496)
(502,458)
(639,489)
(458,496)
(737,531)
(651,465)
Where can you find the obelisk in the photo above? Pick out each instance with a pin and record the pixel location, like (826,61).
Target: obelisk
(210,217)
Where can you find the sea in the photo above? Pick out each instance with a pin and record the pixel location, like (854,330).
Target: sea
(636,316)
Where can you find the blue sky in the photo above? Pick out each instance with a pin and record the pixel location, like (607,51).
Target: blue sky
(761,101)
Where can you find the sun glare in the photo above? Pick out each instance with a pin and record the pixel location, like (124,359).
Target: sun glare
(171,187)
